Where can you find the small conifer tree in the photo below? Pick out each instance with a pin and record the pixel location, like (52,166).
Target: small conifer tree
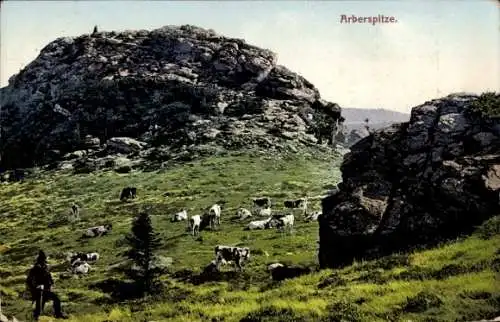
(143,242)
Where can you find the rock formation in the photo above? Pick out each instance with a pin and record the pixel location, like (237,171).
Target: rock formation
(418,182)
(154,95)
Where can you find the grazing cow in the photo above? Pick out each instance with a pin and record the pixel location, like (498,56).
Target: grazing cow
(194,224)
(297,204)
(93,257)
(75,258)
(97,231)
(279,273)
(128,192)
(260,224)
(273,266)
(180,216)
(214,214)
(228,254)
(243,213)
(83,268)
(284,222)
(262,202)
(75,211)
(313,216)
(264,212)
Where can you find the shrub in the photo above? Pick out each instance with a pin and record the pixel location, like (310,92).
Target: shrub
(487,105)
(271,314)
(422,302)
(343,312)
(489,228)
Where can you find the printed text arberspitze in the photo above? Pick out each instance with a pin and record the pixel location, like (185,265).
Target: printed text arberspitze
(370,20)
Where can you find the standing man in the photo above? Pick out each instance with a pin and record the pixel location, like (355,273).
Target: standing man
(39,283)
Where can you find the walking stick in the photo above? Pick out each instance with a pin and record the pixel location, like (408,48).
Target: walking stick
(41,287)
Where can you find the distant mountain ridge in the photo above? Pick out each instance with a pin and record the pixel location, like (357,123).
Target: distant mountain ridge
(378,115)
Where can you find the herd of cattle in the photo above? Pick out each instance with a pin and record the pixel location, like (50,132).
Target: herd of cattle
(262,207)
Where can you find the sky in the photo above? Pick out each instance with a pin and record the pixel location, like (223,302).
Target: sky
(435,48)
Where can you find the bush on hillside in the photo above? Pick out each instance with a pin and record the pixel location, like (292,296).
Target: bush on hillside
(487,105)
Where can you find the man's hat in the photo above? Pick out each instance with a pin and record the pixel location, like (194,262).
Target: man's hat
(42,258)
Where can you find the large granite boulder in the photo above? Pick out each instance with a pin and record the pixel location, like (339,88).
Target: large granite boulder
(414,183)
(171,88)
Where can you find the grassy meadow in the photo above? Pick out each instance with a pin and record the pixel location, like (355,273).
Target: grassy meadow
(457,281)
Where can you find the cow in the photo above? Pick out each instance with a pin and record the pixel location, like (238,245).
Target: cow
(264,202)
(273,266)
(128,192)
(97,231)
(83,268)
(214,212)
(93,257)
(284,222)
(264,212)
(281,272)
(194,224)
(180,216)
(75,211)
(228,254)
(297,204)
(313,216)
(243,213)
(75,258)
(260,224)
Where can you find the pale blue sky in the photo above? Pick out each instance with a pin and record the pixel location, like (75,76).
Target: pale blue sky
(437,47)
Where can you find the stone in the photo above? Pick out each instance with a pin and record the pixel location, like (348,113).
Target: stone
(413,183)
(169,87)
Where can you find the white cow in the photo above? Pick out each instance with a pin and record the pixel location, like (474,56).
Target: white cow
(83,268)
(194,224)
(264,212)
(214,213)
(273,266)
(243,213)
(180,216)
(259,224)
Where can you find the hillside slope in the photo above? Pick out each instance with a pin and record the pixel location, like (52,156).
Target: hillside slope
(458,281)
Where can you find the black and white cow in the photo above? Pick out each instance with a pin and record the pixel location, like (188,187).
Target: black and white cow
(264,202)
(75,210)
(297,204)
(180,216)
(284,222)
(97,231)
(128,192)
(77,258)
(230,254)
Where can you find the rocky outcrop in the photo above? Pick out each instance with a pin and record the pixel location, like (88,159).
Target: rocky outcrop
(174,89)
(355,135)
(419,182)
